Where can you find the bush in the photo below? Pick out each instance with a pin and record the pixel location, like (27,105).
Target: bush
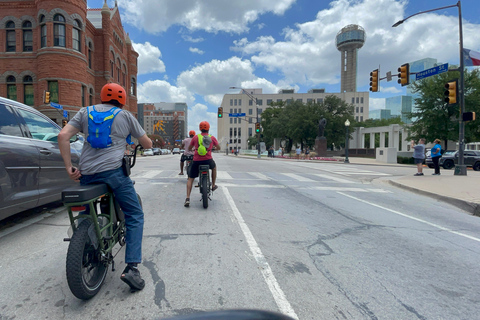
(405,160)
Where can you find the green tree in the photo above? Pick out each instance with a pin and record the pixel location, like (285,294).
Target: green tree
(157,140)
(297,122)
(436,119)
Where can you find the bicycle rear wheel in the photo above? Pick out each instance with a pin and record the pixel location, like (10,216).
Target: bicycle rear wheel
(85,270)
(204,187)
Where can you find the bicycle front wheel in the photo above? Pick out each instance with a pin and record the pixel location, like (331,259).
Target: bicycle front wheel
(85,270)
(204,187)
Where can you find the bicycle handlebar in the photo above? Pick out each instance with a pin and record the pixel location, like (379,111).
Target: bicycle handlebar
(134,156)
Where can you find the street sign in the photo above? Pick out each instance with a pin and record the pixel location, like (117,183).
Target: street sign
(65,114)
(236,115)
(432,71)
(56,105)
(389,76)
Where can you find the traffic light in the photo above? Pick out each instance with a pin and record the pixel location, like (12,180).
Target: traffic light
(404,75)
(468,116)
(47,97)
(257,127)
(374,80)
(451,93)
(220,112)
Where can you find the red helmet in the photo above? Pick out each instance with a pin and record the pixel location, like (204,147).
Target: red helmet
(191,133)
(204,125)
(113,91)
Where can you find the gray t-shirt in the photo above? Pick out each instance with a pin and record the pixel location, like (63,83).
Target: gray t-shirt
(419,151)
(98,160)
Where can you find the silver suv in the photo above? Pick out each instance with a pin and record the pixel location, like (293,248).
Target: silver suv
(32,172)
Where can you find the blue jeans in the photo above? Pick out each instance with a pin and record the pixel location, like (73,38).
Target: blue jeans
(122,187)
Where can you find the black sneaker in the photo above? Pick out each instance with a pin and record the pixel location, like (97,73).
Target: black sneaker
(187,202)
(131,276)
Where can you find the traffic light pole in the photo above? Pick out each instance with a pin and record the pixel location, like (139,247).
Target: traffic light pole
(461,168)
(256,106)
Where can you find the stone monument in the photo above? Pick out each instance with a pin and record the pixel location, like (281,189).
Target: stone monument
(321,141)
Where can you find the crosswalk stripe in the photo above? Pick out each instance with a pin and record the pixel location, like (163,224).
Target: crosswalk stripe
(224,175)
(333,178)
(298,177)
(370,173)
(259,175)
(149,174)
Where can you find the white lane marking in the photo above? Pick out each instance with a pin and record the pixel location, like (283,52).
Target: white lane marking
(267,273)
(22,225)
(298,177)
(413,218)
(367,173)
(223,175)
(333,178)
(149,174)
(346,189)
(273,186)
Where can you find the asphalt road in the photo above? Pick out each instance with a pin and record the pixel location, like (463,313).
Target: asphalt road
(312,240)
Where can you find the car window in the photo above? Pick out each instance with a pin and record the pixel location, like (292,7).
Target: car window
(40,128)
(9,123)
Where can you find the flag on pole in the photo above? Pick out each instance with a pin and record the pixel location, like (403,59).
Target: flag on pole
(471,58)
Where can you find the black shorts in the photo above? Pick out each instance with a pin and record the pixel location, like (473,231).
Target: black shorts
(195,164)
(184,158)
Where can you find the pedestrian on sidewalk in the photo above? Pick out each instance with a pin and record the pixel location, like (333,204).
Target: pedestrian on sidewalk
(436,153)
(298,151)
(307,153)
(419,155)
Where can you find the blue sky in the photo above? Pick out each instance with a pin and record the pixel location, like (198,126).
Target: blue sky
(193,50)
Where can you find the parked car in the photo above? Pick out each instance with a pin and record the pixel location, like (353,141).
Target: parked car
(148,152)
(176,150)
(32,172)
(157,151)
(428,157)
(471,159)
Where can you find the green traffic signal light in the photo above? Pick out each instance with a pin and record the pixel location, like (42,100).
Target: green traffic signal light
(220,112)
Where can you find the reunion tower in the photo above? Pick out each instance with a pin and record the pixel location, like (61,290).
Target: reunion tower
(349,40)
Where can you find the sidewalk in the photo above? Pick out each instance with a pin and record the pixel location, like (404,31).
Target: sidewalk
(460,191)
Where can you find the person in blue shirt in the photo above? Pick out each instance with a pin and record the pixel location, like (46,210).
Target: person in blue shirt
(436,153)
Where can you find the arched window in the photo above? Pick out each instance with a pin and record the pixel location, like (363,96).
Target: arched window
(10,27)
(118,70)
(28,97)
(11,88)
(43,32)
(59,30)
(90,98)
(133,87)
(76,35)
(90,55)
(27,36)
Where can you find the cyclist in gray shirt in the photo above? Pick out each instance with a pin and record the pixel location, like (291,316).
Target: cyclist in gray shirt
(104,165)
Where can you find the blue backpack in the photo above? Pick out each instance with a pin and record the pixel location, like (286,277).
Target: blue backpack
(100,127)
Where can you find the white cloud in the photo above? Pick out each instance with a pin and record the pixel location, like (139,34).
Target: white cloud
(390,89)
(162,91)
(149,58)
(191,39)
(156,16)
(376,103)
(307,55)
(216,76)
(196,50)
(199,113)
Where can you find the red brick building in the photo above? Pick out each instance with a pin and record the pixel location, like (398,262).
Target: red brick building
(64,48)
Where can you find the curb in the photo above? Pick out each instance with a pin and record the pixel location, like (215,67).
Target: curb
(470,207)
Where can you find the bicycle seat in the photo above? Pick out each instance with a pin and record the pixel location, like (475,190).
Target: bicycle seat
(83,193)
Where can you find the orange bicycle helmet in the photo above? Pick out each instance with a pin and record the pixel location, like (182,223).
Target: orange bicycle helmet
(191,133)
(113,91)
(204,125)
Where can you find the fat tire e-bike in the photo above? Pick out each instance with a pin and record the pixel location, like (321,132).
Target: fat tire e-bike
(94,235)
(204,184)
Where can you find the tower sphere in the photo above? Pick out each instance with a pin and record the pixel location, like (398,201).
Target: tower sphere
(350,37)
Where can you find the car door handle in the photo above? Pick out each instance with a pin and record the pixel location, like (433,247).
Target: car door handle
(46,152)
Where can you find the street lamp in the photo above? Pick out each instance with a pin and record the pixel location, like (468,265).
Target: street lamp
(256,106)
(461,168)
(347,139)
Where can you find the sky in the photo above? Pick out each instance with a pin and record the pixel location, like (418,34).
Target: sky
(193,50)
